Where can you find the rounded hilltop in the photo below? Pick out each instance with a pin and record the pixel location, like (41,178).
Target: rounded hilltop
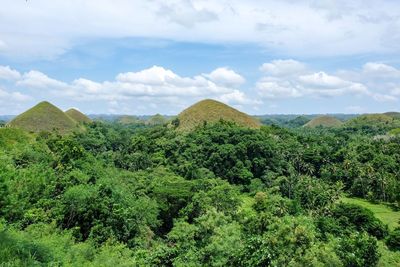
(43,117)
(77,116)
(210,111)
(370,119)
(393,114)
(323,121)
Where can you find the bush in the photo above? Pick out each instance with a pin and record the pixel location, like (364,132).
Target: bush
(393,240)
(352,216)
(358,250)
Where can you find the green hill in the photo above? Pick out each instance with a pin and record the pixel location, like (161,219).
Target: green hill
(376,124)
(43,117)
(392,114)
(77,116)
(127,119)
(157,119)
(212,111)
(297,122)
(323,121)
(370,119)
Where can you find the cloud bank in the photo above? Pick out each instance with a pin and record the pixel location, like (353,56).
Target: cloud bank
(157,89)
(47,29)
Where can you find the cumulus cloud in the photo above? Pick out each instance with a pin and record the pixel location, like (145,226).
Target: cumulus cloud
(37,79)
(158,89)
(7,97)
(226,77)
(323,80)
(304,82)
(154,76)
(150,85)
(283,67)
(237,97)
(380,69)
(6,73)
(274,88)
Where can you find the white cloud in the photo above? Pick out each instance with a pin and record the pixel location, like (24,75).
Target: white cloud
(46,29)
(3,45)
(150,85)
(383,98)
(238,98)
(185,13)
(6,97)
(321,84)
(155,76)
(37,79)
(225,76)
(6,73)
(380,69)
(277,89)
(323,80)
(283,67)
(157,89)
(395,91)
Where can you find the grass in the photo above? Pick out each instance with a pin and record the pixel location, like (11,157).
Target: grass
(212,111)
(324,121)
(383,212)
(43,117)
(388,258)
(77,116)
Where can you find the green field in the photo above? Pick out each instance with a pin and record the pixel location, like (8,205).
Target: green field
(383,212)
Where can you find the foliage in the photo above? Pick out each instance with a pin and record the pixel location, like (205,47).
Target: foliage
(354,216)
(393,240)
(358,249)
(220,195)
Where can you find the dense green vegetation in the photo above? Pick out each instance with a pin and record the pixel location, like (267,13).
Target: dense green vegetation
(220,195)
(383,212)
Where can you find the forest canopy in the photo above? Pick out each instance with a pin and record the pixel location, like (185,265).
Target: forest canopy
(220,195)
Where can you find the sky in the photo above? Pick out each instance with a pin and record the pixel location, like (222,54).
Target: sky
(160,56)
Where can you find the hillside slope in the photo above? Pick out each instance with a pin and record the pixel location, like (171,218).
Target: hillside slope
(323,121)
(210,111)
(77,116)
(43,117)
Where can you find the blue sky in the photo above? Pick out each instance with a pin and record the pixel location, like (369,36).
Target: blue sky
(146,57)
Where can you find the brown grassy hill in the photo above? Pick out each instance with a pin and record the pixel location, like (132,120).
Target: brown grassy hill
(43,117)
(77,116)
(212,111)
(323,121)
